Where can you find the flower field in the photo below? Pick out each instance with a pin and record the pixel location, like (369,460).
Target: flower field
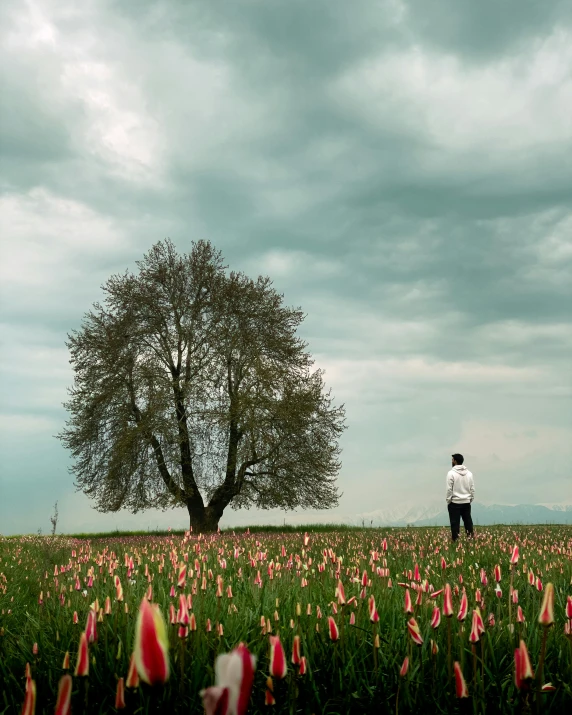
(347,621)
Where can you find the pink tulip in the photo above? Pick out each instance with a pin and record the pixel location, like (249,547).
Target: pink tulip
(436,617)
(404,668)
(514,555)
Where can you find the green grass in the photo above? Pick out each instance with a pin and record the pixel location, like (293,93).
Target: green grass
(344,676)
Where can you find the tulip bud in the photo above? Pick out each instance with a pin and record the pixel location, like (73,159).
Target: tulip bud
(278,667)
(120,695)
(151,648)
(546,617)
(29,706)
(447,601)
(414,631)
(404,667)
(460,686)
(303,665)
(132,674)
(514,555)
(63,703)
(82,663)
(333,628)
(474,636)
(464,607)
(296,650)
(436,617)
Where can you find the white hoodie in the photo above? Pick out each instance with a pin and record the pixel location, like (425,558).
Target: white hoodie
(460,485)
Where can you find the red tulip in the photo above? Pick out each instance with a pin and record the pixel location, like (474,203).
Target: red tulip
(63,703)
(497,573)
(519,615)
(569,607)
(182,576)
(29,706)
(82,663)
(120,695)
(408,605)
(91,626)
(183,612)
(234,675)
(414,631)
(436,617)
(522,667)
(66,663)
(296,650)
(474,636)
(514,555)
(546,617)
(132,674)
(448,601)
(303,666)
(404,668)
(373,614)
(340,593)
(460,685)
(334,632)
(151,647)
(118,588)
(464,607)
(278,667)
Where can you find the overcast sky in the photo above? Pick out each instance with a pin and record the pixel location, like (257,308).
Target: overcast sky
(401,170)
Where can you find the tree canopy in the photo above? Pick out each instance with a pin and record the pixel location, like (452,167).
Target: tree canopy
(192,388)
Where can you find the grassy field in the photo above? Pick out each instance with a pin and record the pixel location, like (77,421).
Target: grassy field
(283,583)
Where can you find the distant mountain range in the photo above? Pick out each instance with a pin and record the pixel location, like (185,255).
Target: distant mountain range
(437,515)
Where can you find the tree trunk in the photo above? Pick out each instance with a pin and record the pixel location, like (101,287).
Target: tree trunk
(203,519)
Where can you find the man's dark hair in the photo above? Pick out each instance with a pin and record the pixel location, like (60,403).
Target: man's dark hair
(458,458)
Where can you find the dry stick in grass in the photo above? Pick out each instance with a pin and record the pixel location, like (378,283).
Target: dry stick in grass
(450,667)
(540,669)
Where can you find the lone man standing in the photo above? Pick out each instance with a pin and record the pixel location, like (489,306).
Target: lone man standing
(460,494)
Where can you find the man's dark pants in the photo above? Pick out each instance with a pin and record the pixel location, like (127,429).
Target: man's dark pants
(456,512)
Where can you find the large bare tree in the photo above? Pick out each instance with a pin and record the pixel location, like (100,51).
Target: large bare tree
(192,388)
